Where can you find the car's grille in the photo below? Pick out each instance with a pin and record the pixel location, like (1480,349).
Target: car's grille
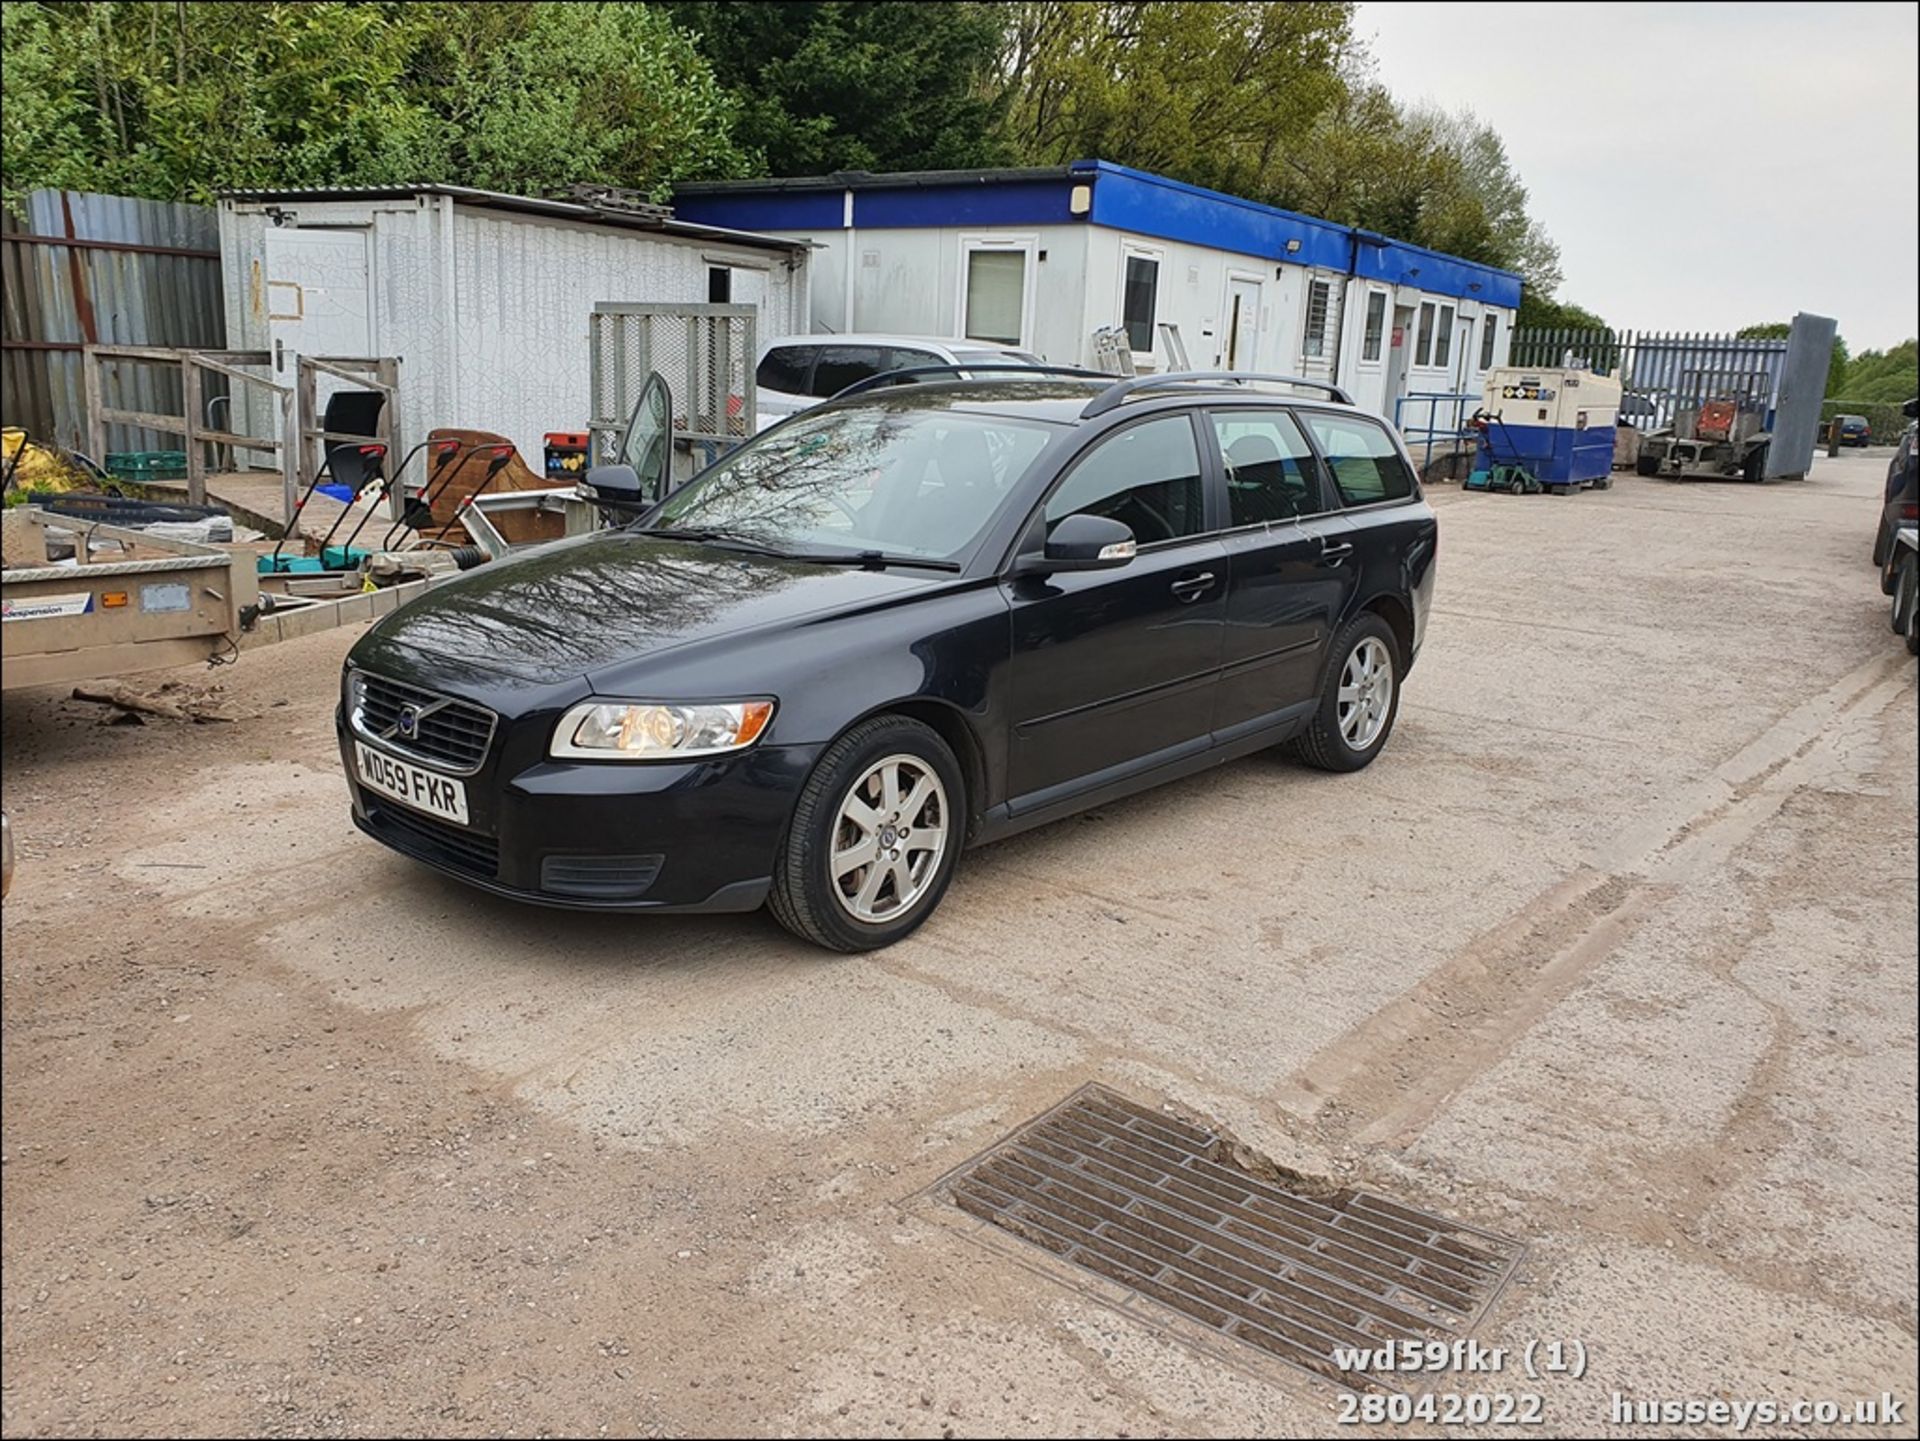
(430,840)
(445,732)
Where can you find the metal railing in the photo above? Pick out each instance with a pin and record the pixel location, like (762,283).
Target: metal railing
(194,365)
(299,444)
(372,372)
(1449,429)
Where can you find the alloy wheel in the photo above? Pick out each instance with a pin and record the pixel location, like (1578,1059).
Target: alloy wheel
(891,831)
(1366,693)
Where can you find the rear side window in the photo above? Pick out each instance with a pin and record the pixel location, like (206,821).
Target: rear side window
(785,368)
(897,357)
(1147,477)
(1269,467)
(1362,457)
(841,365)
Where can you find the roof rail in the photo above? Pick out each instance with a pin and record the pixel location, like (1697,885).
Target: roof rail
(1114,394)
(888,377)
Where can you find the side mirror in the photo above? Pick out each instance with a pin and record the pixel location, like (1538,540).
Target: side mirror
(617,484)
(1911,408)
(1084,542)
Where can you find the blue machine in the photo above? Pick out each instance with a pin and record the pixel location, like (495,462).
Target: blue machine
(1553,426)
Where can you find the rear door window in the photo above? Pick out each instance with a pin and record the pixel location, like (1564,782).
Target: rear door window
(841,365)
(1269,467)
(785,369)
(1361,457)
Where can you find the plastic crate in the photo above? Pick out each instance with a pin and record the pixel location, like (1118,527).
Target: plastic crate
(136,466)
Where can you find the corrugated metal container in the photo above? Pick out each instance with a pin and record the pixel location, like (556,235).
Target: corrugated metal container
(485,299)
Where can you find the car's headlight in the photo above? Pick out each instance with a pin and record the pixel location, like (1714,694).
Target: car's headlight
(658,730)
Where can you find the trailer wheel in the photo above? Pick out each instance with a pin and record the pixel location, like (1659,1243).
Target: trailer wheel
(1755,467)
(1648,465)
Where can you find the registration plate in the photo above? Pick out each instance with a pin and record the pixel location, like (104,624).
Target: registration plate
(437,795)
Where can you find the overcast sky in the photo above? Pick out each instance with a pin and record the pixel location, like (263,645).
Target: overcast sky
(1702,167)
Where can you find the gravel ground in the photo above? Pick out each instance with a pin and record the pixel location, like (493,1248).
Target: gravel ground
(1612,953)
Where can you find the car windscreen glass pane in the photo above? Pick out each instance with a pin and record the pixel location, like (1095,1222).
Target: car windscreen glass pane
(905,480)
(1366,465)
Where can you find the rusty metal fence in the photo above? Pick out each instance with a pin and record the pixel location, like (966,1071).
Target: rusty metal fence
(82,269)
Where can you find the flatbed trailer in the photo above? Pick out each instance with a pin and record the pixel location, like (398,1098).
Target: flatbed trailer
(170,603)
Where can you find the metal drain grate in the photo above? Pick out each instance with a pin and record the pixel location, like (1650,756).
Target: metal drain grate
(1160,1207)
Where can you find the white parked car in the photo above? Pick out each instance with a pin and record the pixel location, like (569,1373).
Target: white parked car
(799,371)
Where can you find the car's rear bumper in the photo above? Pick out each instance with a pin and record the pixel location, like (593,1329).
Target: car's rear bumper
(607,835)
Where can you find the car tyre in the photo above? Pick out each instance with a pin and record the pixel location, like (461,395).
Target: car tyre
(1336,738)
(851,805)
(1906,599)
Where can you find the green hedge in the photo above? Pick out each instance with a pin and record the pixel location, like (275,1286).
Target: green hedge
(1886,420)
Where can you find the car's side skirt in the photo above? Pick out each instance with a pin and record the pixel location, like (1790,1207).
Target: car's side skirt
(1189,757)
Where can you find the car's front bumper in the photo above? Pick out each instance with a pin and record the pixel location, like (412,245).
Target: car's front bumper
(606,835)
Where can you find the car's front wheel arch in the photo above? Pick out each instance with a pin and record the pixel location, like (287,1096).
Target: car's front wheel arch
(874,836)
(952,726)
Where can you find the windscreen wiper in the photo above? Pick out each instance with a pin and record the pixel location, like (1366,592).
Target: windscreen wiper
(727,540)
(875,559)
(719,538)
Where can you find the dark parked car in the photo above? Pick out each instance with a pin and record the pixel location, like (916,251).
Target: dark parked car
(1854,429)
(1901,502)
(899,624)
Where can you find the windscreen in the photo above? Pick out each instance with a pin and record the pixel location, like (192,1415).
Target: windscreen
(901,479)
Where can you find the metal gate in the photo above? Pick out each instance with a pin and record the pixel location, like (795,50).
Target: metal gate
(1666,377)
(705,353)
(1803,384)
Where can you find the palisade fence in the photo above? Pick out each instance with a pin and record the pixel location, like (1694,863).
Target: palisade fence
(85,269)
(1661,373)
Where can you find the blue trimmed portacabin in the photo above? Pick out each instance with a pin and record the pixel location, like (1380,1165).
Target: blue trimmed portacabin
(1399,262)
(1145,204)
(1015,202)
(1121,198)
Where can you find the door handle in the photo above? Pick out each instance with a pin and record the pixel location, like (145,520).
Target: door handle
(1335,550)
(1192,587)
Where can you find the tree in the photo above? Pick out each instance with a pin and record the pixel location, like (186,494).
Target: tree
(1888,376)
(1780,330)
(611,93)
(176,101)
(1539,311)
(1212,94)
(826,85)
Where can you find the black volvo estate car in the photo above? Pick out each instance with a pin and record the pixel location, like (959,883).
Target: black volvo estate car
(909,621)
